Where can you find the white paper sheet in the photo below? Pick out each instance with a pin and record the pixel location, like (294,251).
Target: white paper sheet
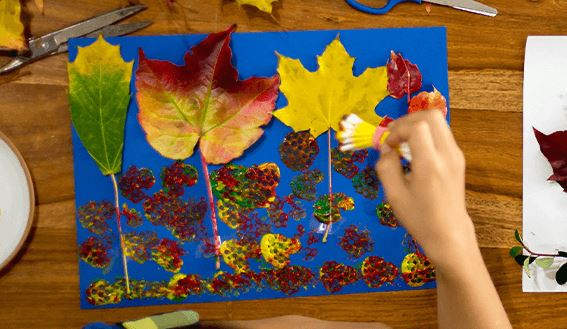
(544,202)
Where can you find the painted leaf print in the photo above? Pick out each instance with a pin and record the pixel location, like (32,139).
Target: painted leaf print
(204,102)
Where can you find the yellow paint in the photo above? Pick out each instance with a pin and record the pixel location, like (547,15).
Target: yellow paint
(276,249)
(319,100)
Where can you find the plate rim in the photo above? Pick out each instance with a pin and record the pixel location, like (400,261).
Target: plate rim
(31,193)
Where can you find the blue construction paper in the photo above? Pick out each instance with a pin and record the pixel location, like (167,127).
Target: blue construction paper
(254,55)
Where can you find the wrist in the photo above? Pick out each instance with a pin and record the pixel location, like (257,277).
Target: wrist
(453,249)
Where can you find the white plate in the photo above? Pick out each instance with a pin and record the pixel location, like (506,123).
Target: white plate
(16,201)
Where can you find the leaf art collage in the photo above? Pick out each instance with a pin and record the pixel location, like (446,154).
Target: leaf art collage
(207,168)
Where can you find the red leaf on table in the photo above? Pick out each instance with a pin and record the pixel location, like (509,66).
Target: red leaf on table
(403,76)
(554,148)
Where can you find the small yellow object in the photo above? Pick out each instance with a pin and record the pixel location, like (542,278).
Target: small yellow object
(319,100)
(263,5)
(11,27)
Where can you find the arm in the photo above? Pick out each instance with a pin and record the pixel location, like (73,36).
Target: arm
(430,203)
(291,321)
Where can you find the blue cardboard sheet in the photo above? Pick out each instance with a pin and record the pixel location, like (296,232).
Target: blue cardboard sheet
(254,54)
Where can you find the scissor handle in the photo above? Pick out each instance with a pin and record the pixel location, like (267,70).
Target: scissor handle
(377,11)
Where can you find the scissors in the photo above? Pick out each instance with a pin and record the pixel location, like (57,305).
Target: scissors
(466,5)
(56,42)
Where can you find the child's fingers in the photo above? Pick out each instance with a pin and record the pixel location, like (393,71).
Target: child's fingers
(391,175)
(417,134)
(442,137)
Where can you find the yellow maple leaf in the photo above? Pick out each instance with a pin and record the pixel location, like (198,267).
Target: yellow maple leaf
(318,100)
(11,27)
(263,5)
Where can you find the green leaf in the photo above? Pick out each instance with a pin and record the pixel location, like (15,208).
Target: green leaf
(521,258)
(527,267)
(544,263)
(99,93)
(561,275)
(515,251)
(518,236)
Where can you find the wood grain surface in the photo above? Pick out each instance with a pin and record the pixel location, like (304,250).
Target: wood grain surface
(41,289)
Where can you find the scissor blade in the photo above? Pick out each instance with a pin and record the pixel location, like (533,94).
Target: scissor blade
(119,29)
(467,5)
(51,42)
(112,31)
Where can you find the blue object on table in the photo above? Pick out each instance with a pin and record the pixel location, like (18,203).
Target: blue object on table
(466,5)
(255,54)
(100,325)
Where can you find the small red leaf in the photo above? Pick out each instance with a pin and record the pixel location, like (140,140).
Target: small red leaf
(554,148)
(403,76)
(428,101)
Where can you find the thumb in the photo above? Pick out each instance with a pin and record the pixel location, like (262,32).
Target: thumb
(393,179)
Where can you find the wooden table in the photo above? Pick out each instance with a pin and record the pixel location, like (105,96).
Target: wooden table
(485,62)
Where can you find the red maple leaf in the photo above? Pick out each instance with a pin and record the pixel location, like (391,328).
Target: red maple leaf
(554,148)
(403,76)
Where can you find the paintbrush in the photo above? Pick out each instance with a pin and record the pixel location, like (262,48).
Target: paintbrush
(357,134)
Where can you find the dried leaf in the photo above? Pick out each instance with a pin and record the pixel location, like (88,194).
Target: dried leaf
(11,27)
(318,100)
(263,5)
(203,102)
(99,93)
(428,101)
(403,76)
(554,148)
(427,6)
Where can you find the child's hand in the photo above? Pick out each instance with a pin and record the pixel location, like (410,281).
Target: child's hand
(430,200)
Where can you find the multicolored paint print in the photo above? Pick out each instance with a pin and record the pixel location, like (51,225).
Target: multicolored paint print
(256,257)
(386,215)
(356,242)
(283,231)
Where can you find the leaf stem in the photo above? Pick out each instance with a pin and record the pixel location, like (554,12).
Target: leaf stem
(122,244)
(532,253)
(216,236)
(330,174)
